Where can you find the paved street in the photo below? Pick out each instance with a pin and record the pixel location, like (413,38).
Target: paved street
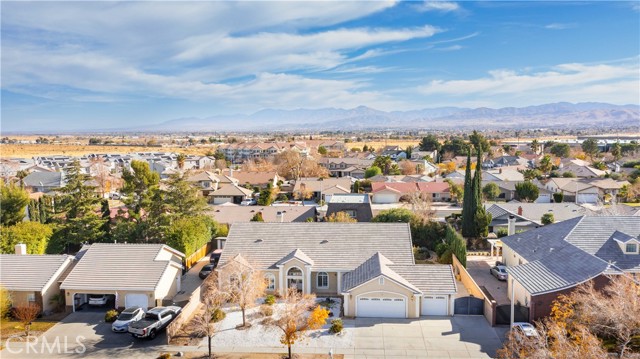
(478,267)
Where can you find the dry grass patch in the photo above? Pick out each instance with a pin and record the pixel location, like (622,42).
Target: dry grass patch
(12,328)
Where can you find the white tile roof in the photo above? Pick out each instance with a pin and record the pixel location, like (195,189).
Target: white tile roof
(30,272)
(377,265)
(116,266)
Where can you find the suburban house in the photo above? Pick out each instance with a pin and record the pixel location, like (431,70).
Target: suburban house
(347,166)
(205,181)
(506,161)
(254,178)
(31,278)
(419,155)
(548,261)
(528,215)
(356,205)
(581,169)
(508,191)
(502,174)
(229,213)
(572,187)
(393,192)
(371,265)
(396,153)
(230,194)
(132,274)
(44,181)
(324,187)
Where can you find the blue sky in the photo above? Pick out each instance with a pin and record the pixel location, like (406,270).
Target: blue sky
(95,65)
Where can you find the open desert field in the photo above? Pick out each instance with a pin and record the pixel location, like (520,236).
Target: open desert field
(31,150)
(380,144)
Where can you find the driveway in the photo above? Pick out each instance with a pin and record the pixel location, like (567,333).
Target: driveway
(478,267)
(84,335)
(438,337)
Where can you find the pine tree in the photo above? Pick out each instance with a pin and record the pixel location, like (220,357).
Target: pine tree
(468,208)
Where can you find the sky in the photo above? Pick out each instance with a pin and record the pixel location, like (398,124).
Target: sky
(98,65)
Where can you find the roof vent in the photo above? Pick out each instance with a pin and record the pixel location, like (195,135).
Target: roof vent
(551,249)
(324,241)
(259,240)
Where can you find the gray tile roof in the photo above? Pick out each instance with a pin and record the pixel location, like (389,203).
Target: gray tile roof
(568,253)
(296,254)
(564,268)
(377,265)
(334,246)
(48,179)
(533,211)
(235,213)
(232,190)
(116,266)
(30,272)
(429,278)
(351,198)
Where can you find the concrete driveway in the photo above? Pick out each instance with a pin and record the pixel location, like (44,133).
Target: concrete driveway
(438,337)
(84,335)
(478,267)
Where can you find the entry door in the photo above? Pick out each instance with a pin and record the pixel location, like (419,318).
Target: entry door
(374,307)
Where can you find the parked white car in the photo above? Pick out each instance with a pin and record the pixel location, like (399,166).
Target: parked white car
(129,315)
(526,329)
(97,299)
(248,202)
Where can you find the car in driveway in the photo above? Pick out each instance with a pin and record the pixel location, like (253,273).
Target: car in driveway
(128,316)
(215,257)
(98,299)
(499,271)
(248,202)
(525,329)
(155,320)
(206,270)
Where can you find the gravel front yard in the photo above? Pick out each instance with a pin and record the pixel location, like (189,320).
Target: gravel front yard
(261,336)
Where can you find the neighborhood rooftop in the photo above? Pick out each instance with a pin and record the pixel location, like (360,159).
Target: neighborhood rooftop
(329,245)
(30,272)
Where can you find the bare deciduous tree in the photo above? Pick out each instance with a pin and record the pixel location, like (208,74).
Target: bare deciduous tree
(26,314)
(243,283)
(212,300)
(421,204)
(294,318)
(407,167)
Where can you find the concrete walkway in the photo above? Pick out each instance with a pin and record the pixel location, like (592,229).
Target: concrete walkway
(190,281)
(478,267)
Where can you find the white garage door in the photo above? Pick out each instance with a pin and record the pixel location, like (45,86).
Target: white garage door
(385,198)
(221,200)
(587,198)
(380,307)
(434,305)
(136,300)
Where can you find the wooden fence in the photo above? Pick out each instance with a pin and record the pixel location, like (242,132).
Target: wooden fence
(191,260)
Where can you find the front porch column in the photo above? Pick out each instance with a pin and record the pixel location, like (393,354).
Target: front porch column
(416,297)
(307,284)
(282,286)
(345,304)
(339,283)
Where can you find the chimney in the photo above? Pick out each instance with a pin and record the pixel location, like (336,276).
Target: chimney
(21,249)
(519,210)
(511,225)
(500,170)
(280,216)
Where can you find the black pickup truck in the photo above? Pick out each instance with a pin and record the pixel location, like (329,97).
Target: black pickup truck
(155,320)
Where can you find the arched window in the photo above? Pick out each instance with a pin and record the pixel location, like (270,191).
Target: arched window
(322,280)
(271,281)
(294,272)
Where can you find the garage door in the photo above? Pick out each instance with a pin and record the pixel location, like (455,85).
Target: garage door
(136,300)
(587,198)
(380,307)
(385,198)
(434,305)
(221,200)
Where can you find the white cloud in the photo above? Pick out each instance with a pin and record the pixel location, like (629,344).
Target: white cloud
(560,26)
(442,6)
(616,83)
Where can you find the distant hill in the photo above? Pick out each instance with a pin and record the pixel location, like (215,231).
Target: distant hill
(554,115)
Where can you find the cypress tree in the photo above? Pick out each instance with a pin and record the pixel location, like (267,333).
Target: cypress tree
(482,218)
(468,209)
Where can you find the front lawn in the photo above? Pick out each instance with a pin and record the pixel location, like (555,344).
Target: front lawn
(10,328)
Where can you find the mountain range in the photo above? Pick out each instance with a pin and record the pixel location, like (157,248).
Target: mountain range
(553,115)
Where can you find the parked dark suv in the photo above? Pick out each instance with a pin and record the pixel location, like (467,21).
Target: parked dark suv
(215,257)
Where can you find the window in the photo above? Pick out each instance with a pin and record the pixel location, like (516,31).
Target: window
(31,297)
(271,281)
(294,272)
(352,213)
(631,248)
(381,281)
(323,280)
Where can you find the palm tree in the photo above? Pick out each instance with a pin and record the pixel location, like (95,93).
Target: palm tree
(181,158)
